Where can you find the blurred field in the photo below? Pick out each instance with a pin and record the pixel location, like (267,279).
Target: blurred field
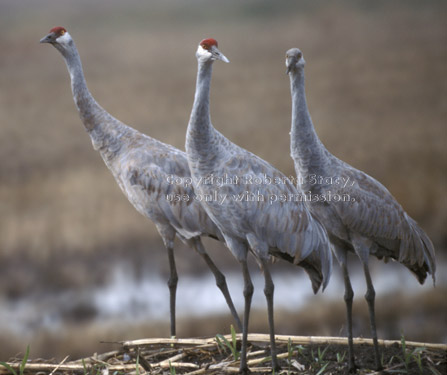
(376,85)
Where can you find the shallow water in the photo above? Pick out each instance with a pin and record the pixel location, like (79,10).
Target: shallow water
(130,300)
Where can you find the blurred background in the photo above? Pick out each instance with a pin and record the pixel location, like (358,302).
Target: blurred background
(79,266)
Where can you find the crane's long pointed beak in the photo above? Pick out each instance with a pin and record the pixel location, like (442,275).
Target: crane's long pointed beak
(219,55)
(46,39)
(223,58)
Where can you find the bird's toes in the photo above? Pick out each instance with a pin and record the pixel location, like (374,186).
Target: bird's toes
(352,368)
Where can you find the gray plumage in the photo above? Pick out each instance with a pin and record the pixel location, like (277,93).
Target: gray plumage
(368,220)
(145,170)
(254,223)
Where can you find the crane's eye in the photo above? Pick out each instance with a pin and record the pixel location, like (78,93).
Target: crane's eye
(300,55)
(62,32)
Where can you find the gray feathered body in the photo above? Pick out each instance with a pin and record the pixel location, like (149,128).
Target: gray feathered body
(242,202)
(144,168)
(361,215)
(148,172)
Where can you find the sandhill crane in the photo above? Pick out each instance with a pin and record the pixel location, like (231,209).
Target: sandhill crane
(363,217)
(145,170)
(254,205)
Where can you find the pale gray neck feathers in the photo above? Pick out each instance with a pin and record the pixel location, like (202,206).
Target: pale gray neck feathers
(104,129)
(87,106)
(306,148)
(200,128)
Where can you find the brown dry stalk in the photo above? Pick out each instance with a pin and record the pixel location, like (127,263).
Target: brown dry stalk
(162,341)
(59,365)
(281,339)
(63,367)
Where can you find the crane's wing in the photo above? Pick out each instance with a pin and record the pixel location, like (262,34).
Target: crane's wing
(368,207)
(270,211)
(372,211)
(157,181)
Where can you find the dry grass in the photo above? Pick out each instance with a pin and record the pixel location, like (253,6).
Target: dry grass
(219,355)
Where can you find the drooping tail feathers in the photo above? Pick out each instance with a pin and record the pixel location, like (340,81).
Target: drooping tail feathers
(318,264)
(417,252)
(314,254)
(311,264)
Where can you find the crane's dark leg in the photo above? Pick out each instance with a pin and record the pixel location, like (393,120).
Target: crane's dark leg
(370,297)
(221,282)
(248,293)
(222,285)
(349,296)
(268,291)
(172,284)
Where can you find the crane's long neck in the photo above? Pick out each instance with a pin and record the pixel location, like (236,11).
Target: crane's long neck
(105,131)
(306,148)
(89,111)
(200,129)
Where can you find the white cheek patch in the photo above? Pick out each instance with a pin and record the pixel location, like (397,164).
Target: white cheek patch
(63,39)
(202,52)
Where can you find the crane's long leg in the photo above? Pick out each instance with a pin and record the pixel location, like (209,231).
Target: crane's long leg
(268,291)
(370,297)
(172,284)
(248,293)
(349,296)
(222,285)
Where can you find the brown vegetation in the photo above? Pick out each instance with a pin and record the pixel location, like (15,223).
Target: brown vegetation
(219,355)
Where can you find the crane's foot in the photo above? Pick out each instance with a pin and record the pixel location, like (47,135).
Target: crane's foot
(244,370)
(379,367)
(276,369)
(352,369)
